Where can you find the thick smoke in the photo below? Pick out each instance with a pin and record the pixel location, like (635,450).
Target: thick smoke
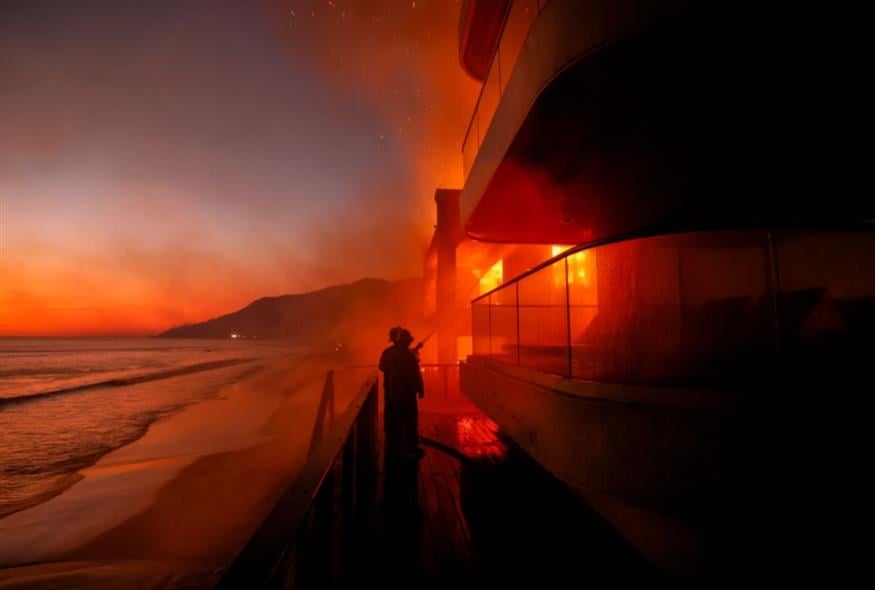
(146,182)
(401,58)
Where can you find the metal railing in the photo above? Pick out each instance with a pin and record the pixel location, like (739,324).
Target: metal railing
(307,539)
(520,16)
(502,328)
(441,383)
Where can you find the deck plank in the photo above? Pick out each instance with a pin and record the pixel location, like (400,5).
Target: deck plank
(460,536)
(494,518)
(437,521)
(458,542)
(458,552)
(451,470)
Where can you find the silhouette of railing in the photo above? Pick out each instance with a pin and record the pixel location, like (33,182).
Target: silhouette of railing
(326,407)
(441,382)
(306,540)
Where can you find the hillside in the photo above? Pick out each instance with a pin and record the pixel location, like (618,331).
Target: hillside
(354,312)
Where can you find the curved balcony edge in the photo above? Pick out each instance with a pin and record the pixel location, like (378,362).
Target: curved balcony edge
(564,32)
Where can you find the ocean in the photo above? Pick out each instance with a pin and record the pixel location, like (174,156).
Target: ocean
(64,403)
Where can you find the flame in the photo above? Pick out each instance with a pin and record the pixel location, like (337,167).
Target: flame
(557,250)
(558,268)
(578,262)
(577,268)
(493,277)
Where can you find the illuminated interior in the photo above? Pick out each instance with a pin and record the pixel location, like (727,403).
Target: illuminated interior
(558,269)
(464,346)
(492,278)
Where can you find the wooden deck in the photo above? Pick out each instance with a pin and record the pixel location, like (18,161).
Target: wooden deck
(477,511)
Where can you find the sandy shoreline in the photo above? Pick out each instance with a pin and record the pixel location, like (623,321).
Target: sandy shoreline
(74,477)
(175,506)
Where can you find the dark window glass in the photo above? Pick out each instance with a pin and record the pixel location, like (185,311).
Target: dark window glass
(827,305)
(543,318)
(480,326)
(504,325)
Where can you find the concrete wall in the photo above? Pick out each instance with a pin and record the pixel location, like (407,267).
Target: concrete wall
(677,476)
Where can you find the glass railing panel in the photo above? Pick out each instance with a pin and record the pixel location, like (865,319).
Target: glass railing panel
(470,147)
(519,20)
(601,312)
(543,320)
(521,15)
(827,305)
(725,308)
(489,97)
(689,309)
(480,326)
(583,307)
(504,325)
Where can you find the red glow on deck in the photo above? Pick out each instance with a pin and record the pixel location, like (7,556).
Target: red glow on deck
(478,437)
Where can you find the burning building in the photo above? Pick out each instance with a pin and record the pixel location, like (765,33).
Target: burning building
(660,263)
(656,286)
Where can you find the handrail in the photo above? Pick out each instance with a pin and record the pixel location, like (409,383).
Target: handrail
(441,389)
(274,553)
(326,405)
(422,365)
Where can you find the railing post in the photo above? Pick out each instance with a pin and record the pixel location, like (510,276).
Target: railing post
(348,504)
(366,455)
(323,532)
(325,403)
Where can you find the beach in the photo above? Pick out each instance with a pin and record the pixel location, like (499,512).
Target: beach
(174,507)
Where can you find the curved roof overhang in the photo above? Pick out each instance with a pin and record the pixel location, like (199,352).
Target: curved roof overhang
(480,24)
(671,119)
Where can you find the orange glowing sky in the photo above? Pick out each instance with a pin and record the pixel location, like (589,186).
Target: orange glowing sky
(167,162)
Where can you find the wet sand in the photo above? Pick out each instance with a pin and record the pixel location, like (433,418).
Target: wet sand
(240,452)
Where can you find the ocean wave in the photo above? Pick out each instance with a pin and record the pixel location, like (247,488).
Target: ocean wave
(30,476)
(120,382)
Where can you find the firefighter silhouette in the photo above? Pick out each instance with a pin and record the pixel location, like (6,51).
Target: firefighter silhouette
(402,381)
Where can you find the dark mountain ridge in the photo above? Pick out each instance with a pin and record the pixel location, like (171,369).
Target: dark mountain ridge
(337,314)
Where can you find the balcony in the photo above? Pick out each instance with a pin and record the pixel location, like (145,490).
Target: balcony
(354,518)
(664,379)
(746,309)
(520,16)
(540,39)
(604,118)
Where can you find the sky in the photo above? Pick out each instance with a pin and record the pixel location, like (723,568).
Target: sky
(164,162)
